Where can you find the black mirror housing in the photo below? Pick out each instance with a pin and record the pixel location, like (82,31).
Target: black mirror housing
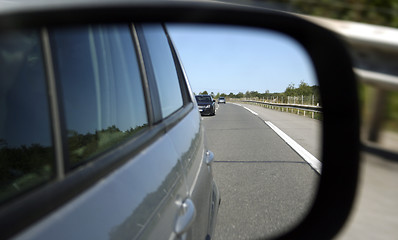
(340,149)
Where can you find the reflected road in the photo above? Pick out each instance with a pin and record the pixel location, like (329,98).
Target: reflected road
(265,186)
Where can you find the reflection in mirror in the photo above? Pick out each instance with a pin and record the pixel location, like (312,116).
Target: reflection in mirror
(266,133)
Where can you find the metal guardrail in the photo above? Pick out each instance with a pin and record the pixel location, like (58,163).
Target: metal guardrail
(309,108)
(383,83)
(374,50)
(377,80)
(298,107)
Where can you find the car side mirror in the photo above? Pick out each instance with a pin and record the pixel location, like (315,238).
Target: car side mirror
(340,130)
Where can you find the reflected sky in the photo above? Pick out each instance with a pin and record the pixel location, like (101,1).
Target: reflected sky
(24,113)
(100,78)
(238,59)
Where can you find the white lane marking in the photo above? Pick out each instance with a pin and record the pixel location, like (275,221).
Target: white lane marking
(308,157)
(248,109)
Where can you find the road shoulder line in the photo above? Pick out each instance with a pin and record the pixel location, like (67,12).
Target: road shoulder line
(248,109)
(308,157)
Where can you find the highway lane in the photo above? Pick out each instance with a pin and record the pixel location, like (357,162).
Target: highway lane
(305,131)
(266,187)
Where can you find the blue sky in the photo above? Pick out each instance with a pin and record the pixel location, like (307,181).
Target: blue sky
(235,59)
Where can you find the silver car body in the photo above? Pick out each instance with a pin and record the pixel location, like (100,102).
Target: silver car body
(162,189)
(142,199)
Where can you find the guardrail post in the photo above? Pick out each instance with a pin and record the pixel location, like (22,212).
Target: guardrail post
(377,114)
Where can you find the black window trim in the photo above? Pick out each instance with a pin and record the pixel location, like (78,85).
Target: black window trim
(153,89)
(150,76)
(58,125)
(144,78)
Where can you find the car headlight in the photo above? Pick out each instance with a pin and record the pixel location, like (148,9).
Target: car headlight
(208,106)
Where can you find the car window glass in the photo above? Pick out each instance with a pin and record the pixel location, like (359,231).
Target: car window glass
(101,87)
(26,151)
(203,98)
(164,68)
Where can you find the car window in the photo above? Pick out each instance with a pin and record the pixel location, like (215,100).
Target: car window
(164,69)
(26,151)
(203,98)
(102,91)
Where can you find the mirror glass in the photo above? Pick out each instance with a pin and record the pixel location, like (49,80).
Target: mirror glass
(266,130)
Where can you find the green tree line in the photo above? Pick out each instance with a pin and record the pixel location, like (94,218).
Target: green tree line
(303,89)
(24,167)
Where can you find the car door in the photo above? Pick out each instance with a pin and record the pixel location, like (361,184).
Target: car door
(188,140)
(178,113)
(187,134)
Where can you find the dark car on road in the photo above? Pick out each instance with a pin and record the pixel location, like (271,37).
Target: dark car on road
(206,105)
(100,137)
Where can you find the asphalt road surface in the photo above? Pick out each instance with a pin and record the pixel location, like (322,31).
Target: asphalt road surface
(305,131)
(266,186)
